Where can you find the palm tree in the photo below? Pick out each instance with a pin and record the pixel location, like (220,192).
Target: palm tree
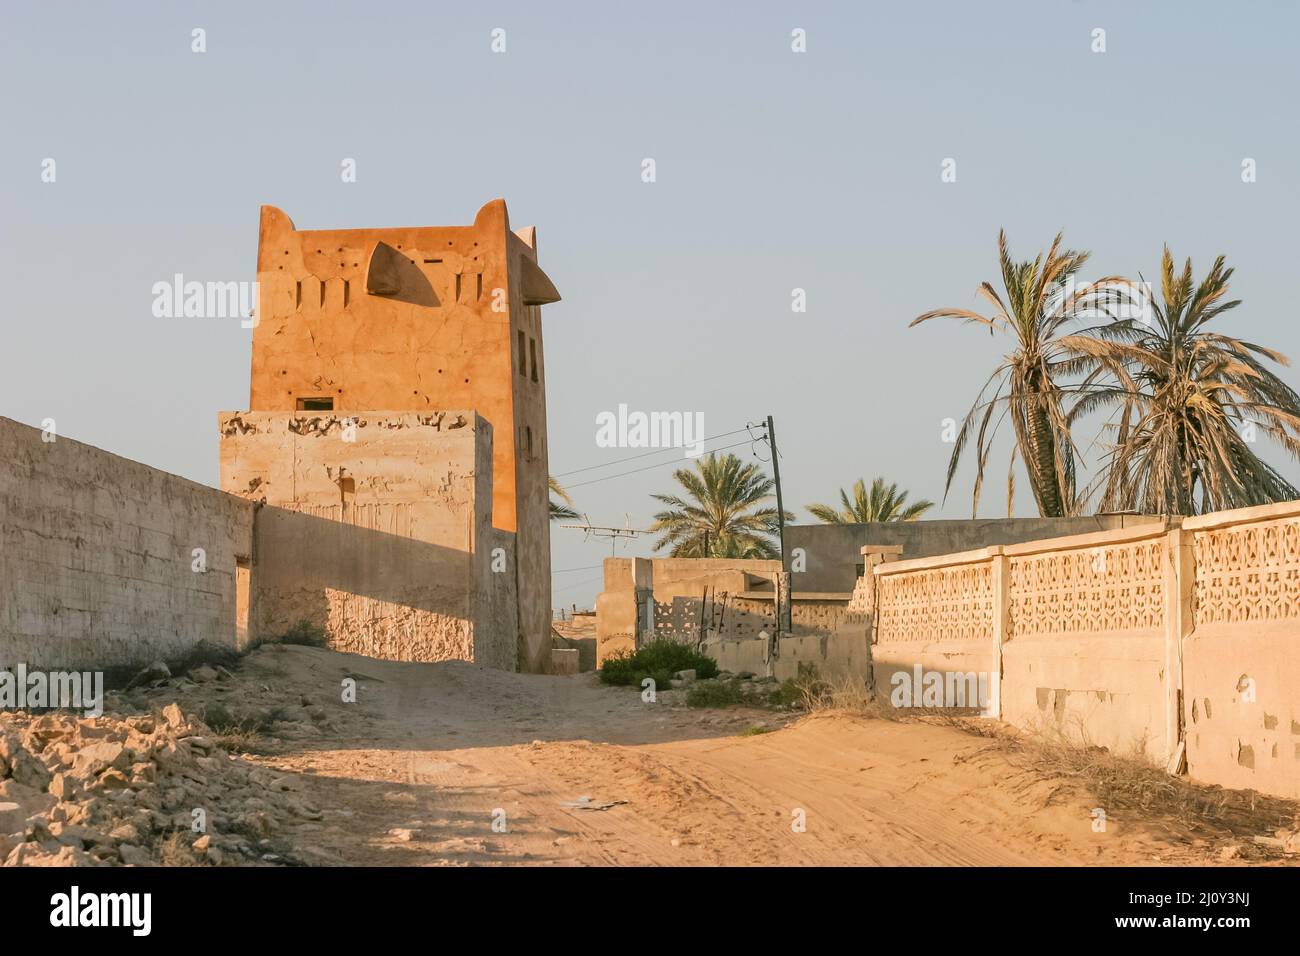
(1027,384)
(560,510)
(1190,403)
(720,515)
(882,503)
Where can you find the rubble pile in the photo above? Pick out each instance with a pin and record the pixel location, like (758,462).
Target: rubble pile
(150,789)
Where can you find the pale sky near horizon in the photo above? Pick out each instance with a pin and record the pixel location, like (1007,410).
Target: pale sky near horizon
(775,170)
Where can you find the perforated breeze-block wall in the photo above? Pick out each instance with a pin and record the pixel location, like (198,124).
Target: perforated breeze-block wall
(1241,662)
(1138,640)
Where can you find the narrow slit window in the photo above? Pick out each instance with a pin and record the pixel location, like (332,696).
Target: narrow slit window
(316,404)
(523,358)
(532,355)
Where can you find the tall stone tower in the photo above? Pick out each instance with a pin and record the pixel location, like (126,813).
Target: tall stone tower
(358,324)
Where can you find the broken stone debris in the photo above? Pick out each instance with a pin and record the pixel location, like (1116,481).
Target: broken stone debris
(77,791)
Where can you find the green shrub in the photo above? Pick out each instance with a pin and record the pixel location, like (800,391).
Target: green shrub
(714,694)
(658,660)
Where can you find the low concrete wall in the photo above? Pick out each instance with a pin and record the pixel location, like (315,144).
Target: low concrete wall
(97,557)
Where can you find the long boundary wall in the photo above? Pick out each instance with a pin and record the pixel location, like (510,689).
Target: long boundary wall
(829,555)
(105,562)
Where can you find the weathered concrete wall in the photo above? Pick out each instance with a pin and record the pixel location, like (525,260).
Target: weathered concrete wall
(496,634)
(841,650)
(832,552)
(1241,662)
(937,614)
(97,564)
(628,583)
(377,529)
(812,617)
(1100,637)
(680,588)
(680,574)
(743,619)
(528,289)
(1067,633)
(730,604)
(667,596)
(1085,646)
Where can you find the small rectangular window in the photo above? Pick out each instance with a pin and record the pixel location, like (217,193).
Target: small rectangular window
(532,354)
(523,359)
(316,404)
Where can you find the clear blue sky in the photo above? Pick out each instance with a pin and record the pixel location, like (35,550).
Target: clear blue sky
(775,170)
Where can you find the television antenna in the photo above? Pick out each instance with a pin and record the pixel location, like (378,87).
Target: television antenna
(590,531)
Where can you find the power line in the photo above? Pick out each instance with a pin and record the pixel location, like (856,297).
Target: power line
(659,464)
(569,587)
(590,567)
(657,451)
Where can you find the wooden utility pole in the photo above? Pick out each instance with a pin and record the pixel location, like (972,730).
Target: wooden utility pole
(776,476)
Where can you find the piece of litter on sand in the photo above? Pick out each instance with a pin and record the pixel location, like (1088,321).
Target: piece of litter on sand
(586,803)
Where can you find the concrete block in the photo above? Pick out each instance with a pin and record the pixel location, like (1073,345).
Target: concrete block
(564,661)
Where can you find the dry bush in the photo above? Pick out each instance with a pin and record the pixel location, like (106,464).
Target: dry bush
(175,851)
(240,740)
(846,694)
(1135,784)
(1121,783)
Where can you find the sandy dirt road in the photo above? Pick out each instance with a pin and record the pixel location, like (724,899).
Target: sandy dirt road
(416,771)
